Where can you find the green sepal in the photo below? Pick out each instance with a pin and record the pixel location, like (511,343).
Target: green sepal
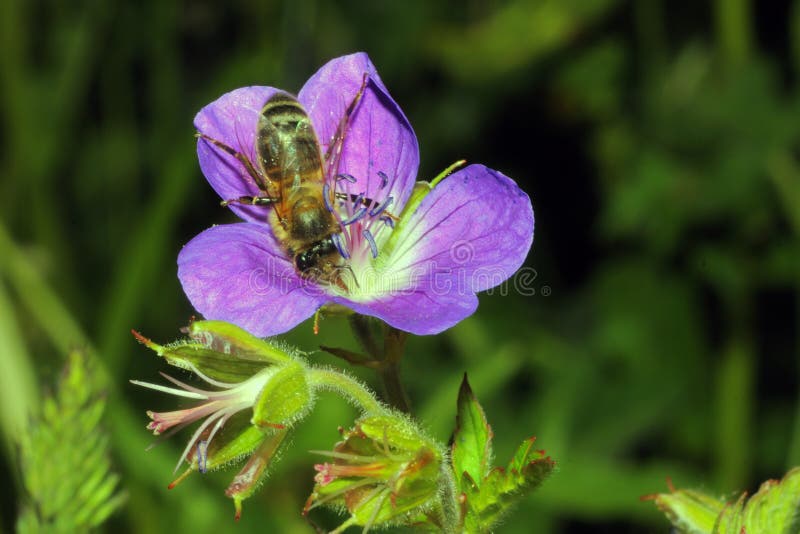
(472,441)
(690,511)
(285,399)
(255,470)
(237,439)
(220,351)
(775,508)
(394,431)
(488,493)
(384,471)
(230,339)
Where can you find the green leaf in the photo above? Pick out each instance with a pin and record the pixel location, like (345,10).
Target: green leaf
(489,493)
(64,459)
(775,508)
(503,488)
(472,440)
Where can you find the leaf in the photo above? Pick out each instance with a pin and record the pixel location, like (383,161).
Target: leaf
(503,488)
(775,508)
(472,440)
(64,459)
(489,493)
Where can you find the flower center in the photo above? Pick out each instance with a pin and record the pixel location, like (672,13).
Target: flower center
(366,221)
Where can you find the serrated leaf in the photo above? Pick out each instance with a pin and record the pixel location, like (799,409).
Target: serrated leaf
(472,440)
(489,493)
(775,508)
(78,491)
(503,488)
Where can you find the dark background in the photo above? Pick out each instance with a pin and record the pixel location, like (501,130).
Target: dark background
(658,141)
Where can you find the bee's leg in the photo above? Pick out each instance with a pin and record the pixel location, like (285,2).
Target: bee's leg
(338,137)
(250,201)
(376,208)
(243,159)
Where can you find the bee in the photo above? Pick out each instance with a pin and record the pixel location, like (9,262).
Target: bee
(290,172)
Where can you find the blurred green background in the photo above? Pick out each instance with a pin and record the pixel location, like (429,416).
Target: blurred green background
(658,141)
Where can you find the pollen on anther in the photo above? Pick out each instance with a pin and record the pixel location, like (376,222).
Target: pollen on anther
(371,240)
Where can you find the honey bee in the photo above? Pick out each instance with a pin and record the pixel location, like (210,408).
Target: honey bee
(290,172)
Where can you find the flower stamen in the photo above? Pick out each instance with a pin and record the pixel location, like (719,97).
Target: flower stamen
(337,240)
(371,240)
(384,179)
(357,215)
(377,210)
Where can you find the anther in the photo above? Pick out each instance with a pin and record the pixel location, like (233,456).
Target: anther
(337,240)
(377,210)
(202,456)
(326,197)
(356,216)
(387,221)
(347,177)
(371,240)
(384,179)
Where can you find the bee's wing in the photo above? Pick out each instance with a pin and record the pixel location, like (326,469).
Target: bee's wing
(288,149)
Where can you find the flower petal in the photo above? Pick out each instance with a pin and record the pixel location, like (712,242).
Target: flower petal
(232,119)
(471,233)
(418,311)
(378,137)
(240,274)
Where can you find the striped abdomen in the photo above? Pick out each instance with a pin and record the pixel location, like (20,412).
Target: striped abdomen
(287,146)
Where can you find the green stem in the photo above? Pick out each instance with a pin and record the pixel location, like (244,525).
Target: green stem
(734,34)
(734,401)
(393,347)
(363,334)
(387,360)
(348,387)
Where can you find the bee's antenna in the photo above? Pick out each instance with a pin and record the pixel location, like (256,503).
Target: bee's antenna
(353,274)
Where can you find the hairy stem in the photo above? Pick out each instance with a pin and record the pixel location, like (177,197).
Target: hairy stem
(348,387)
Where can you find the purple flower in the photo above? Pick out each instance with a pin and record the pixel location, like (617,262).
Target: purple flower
(413,255)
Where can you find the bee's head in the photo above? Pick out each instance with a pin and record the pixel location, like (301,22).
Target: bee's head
(317,259)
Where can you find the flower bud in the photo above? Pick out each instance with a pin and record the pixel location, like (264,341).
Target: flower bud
(383,471)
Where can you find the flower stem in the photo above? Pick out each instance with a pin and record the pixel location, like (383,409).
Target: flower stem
(393,346)
(348,387)
(361,330)
(387,360)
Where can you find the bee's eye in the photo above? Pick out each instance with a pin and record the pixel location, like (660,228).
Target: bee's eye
(305,261)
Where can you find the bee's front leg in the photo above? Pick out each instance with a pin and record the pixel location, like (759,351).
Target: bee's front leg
(250,201)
